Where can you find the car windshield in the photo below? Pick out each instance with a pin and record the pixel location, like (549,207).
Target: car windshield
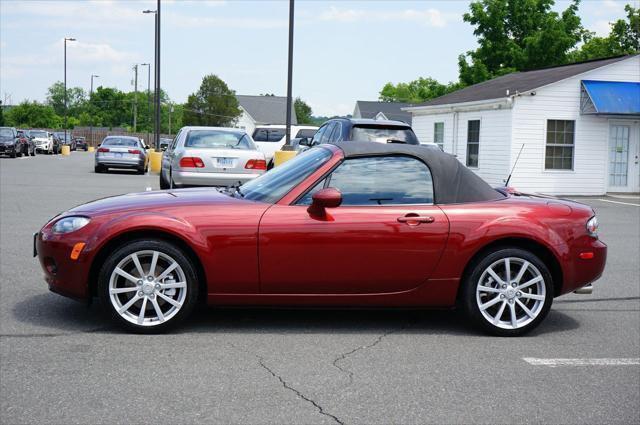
(262,134)
(218,139)
(38,134)
(383,134)
(272,186)
(6,132)
(61,136)
(306,132)
(118,141)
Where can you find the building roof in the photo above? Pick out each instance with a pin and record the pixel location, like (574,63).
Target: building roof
(520,82)
(391,110)
(267,109)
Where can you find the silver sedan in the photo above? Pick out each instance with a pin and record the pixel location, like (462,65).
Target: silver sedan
(211,156)
(123,152)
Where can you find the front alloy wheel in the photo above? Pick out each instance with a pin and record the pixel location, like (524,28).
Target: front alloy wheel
(148,286)
(509,292)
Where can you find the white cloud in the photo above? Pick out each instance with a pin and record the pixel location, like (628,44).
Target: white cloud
(95,52)
(602,28)
(430,17)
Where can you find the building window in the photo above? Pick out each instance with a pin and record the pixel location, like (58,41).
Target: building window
(438,134)
(473,143)
(559,150)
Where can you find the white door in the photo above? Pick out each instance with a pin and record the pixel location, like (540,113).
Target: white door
(624,170)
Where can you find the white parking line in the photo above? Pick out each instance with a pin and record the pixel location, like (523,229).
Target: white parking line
(617,202)
(582,362)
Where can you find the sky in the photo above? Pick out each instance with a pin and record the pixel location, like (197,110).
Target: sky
(344,51)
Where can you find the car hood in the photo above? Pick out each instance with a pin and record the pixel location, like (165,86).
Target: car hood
(157,200)
(6,139)
(40,139)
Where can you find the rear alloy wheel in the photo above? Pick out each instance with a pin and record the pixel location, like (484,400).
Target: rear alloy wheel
(509,292)
(148,286)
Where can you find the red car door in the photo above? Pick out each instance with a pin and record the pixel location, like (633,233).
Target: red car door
(387,236)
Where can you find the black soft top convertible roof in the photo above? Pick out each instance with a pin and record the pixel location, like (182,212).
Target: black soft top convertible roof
(453,183)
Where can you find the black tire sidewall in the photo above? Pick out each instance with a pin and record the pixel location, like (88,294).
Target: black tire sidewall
(156,245)
(468,299)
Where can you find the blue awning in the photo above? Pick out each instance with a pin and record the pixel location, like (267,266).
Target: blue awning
(610,97)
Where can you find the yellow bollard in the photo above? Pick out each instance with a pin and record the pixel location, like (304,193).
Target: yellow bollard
(66,150)
(91,149)
(280,157)
(155,161)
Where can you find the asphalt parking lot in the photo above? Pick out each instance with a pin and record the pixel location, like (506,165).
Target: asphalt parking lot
(63,362)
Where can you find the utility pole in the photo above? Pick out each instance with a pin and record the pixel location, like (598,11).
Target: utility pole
(148,65)
(170,112)
(135,98)
(157,99)
(290,74)
(91,93)
(65,85)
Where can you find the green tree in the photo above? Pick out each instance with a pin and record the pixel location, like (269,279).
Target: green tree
(516,35)
(214,104)
(76,98)
(33,114)
(1,115)
(416,91)
(623,39)
(303,111)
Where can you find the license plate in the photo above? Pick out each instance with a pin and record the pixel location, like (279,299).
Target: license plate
(117,155)
(224,162)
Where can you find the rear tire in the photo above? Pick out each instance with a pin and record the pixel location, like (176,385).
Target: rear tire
(152,298)
(99,169)
(164,185)
(501,298)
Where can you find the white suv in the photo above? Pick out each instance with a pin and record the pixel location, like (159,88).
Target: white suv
(43,140)
(270,138)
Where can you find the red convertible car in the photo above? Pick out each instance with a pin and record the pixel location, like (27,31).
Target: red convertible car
(348,224)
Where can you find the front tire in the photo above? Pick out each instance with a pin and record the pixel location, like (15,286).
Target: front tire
(508,292)
(148,286)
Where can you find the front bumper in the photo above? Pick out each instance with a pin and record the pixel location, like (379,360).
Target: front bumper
(7,149)
(190,178)
(63,275)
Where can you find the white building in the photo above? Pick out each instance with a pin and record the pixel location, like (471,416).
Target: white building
(579,125)
(261,110)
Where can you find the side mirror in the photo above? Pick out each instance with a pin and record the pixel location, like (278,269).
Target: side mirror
(147,147)
(325,198)
(163,148)
(304,142)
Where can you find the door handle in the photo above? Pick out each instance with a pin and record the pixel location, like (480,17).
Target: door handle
(415,219)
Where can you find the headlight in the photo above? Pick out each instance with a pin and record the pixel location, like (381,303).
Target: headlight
(592,227)
(70,224)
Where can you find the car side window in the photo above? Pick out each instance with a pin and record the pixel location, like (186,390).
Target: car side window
(336,134)
(318,135)
(325,136)
(379,180)
(175,141)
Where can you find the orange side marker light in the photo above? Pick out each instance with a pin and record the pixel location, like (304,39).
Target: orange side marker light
(77,249)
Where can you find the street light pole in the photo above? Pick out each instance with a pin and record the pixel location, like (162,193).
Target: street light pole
(135,98)
(90,94)
(65,85)
(290,74)
(156,128)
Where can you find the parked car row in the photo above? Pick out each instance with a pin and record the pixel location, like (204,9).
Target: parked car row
(15,143)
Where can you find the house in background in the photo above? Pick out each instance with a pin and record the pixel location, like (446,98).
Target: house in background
(261,110)
(382,111)
(579,125)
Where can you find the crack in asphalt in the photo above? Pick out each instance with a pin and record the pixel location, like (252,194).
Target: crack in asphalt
(343,356)
(287,386)
(297,392)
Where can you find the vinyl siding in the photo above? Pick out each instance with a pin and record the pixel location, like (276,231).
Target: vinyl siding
(495,131)
(561,101)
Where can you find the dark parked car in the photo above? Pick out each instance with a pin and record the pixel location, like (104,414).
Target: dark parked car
(164,143)
(28,145)
(81,143)
(362,130)
(66,140)
(10,142)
